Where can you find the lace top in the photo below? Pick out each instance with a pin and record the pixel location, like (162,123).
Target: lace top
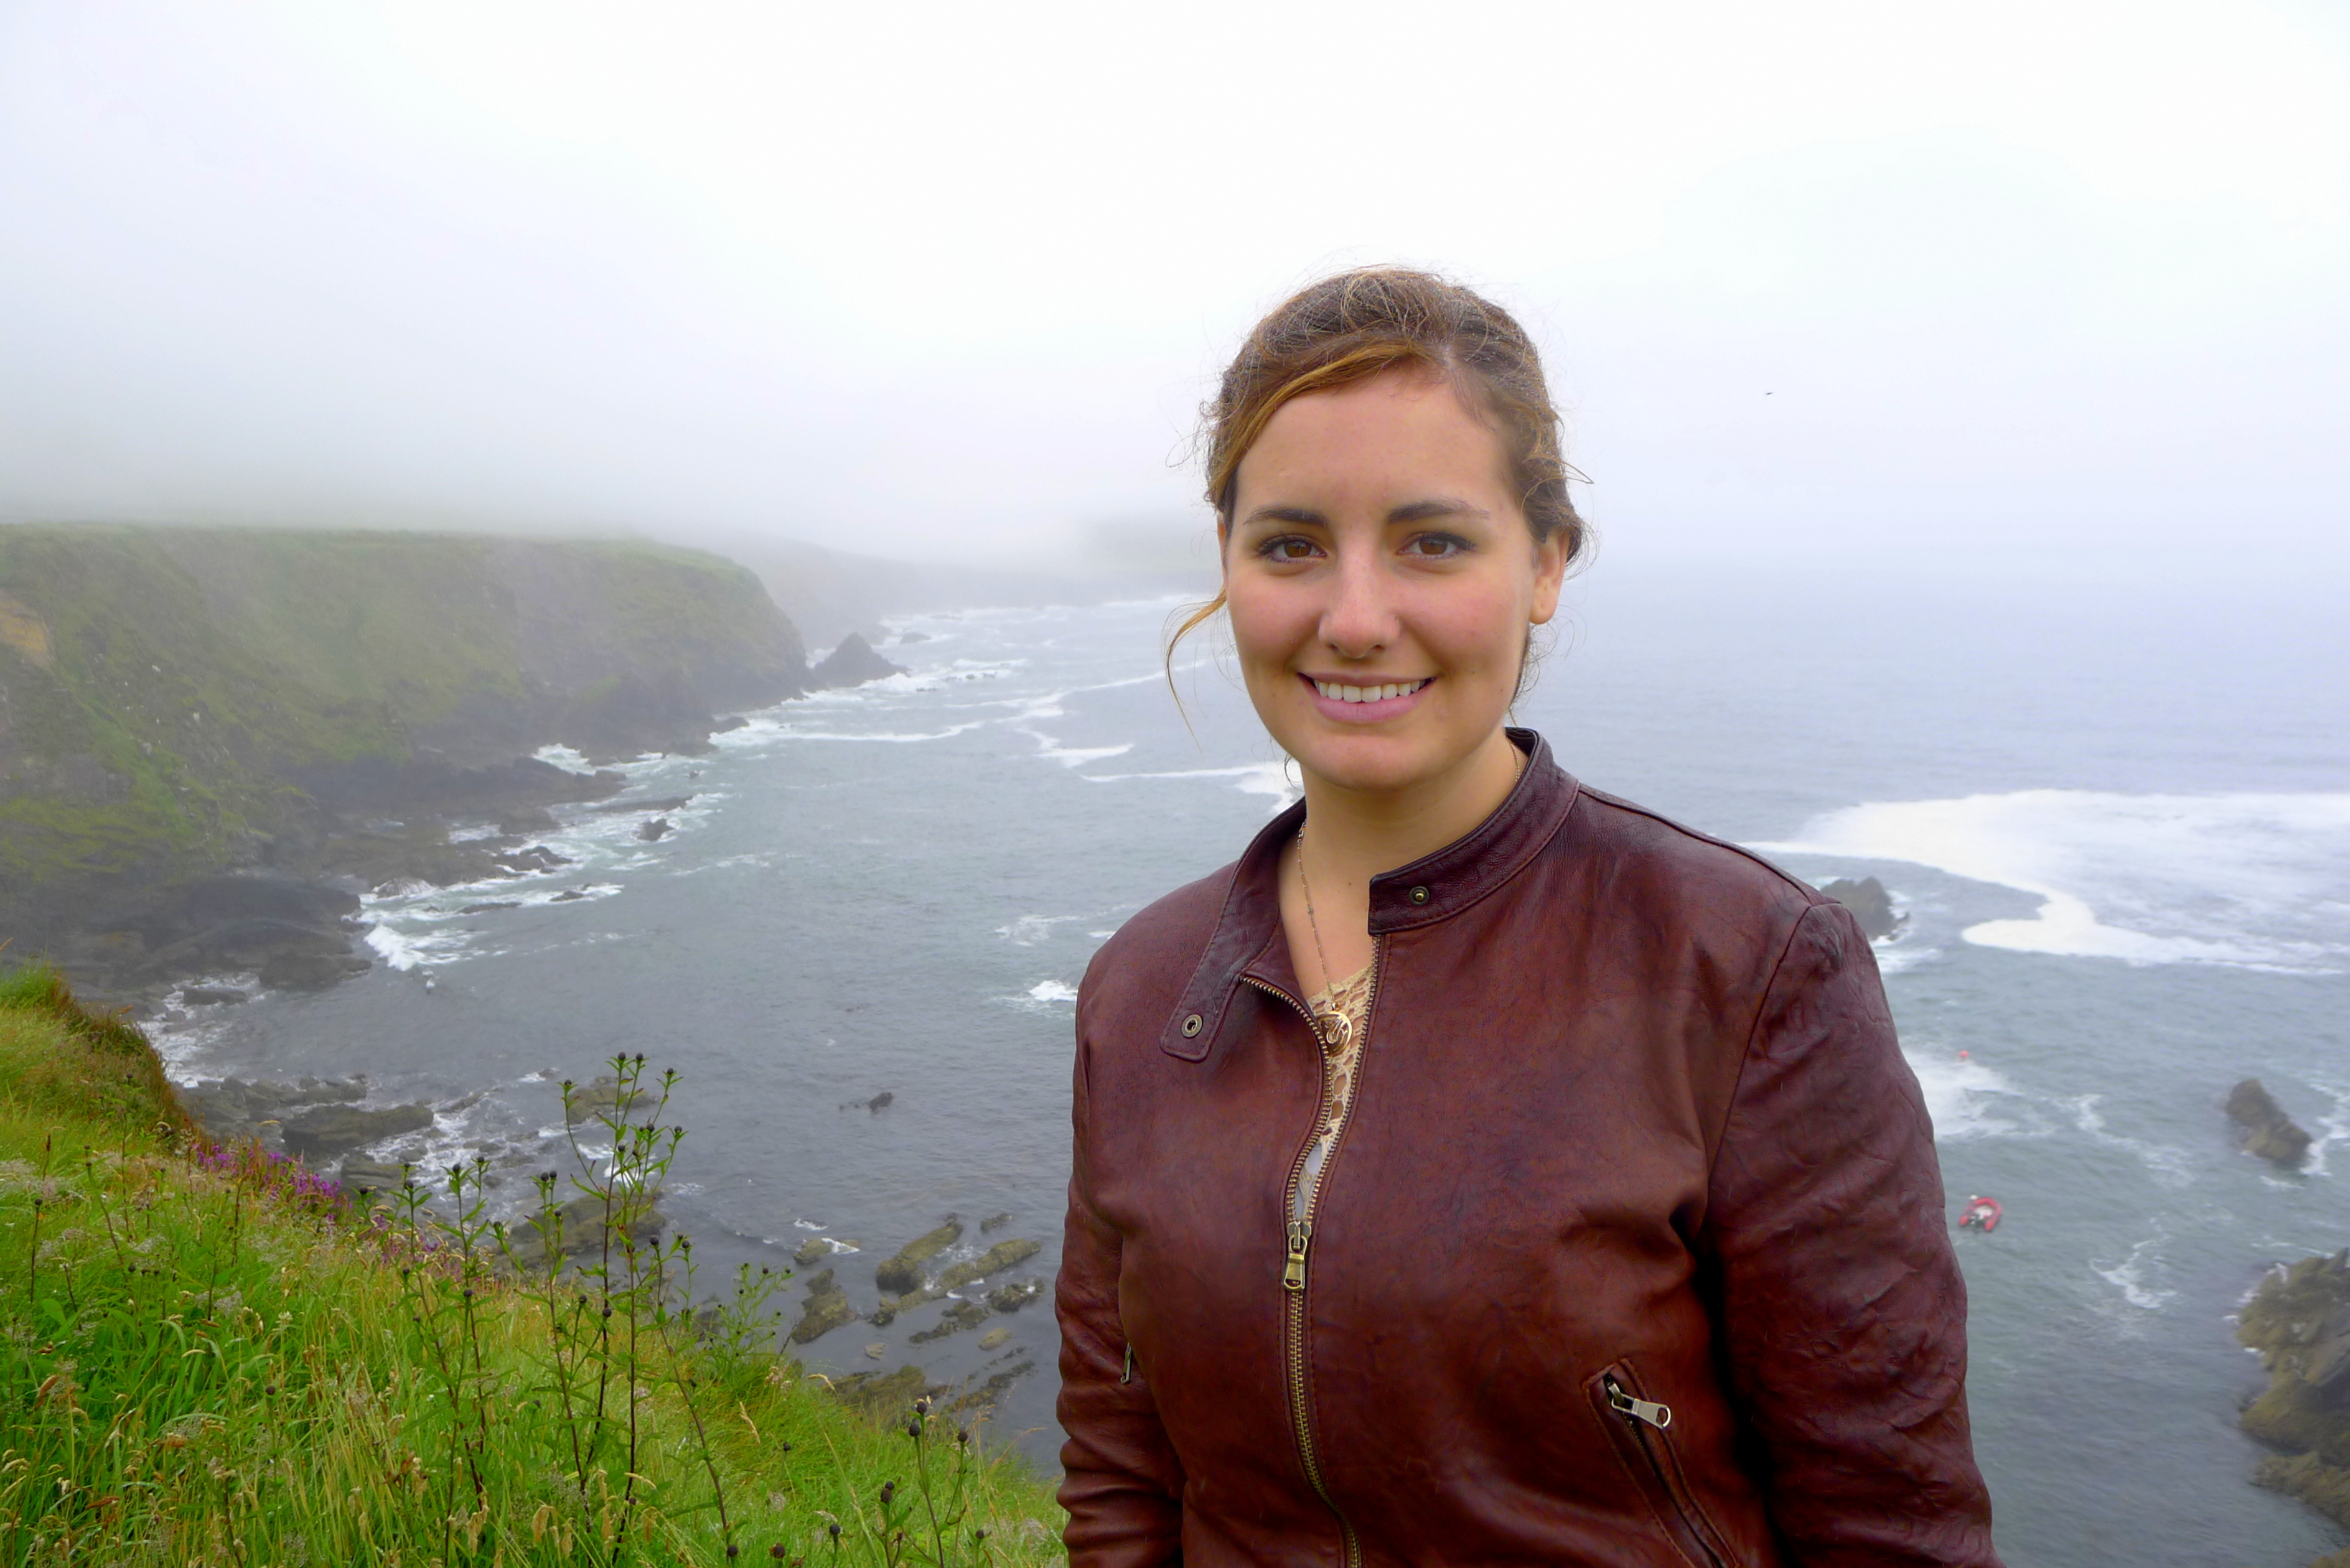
(1350,999)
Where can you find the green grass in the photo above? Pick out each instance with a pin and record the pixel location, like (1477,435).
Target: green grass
(207,1356)
(192,673)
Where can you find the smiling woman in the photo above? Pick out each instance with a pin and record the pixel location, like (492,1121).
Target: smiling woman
(1482,1168)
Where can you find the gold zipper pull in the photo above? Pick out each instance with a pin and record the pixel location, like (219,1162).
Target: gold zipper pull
(1293,1272)
(1649,1410)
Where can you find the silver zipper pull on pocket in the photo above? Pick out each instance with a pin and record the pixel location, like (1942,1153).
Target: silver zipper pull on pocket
(1649,1410)
(1128,1375)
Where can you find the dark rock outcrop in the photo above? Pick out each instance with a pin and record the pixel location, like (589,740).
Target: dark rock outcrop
(588,1227)
(954,1320)
(902,1274)
(2264,1127)
(1871,906)
(324,1131)
(828,1309)
(1012,1297)
(853,663)
(2299,1321)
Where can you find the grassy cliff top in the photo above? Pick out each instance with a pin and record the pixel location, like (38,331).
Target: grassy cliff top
(168,694)
(207,1356)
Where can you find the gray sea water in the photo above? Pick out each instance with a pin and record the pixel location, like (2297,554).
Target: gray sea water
(2118,819)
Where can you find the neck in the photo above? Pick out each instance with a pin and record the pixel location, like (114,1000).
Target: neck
(1359,833)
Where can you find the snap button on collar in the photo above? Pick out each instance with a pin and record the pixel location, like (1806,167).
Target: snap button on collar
(1417,895)
(1191,1024)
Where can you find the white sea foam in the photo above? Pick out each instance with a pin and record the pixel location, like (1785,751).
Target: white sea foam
(1029,929)
(1251,778)
(1965,1099)
(1052,990)
(2168,1165)
(2333,1127)
(2131,1276)
(2259,881)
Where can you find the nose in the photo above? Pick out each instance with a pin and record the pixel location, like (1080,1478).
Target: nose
(1359,622)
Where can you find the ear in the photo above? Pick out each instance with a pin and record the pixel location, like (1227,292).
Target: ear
(1550,576)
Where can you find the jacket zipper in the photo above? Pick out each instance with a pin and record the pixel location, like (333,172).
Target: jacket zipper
(1648,1419)
(1300,1238)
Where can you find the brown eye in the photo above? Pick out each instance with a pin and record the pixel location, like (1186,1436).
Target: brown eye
(1436,546)
(1290,549)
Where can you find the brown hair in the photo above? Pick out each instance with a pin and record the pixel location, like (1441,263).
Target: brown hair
(1360,324)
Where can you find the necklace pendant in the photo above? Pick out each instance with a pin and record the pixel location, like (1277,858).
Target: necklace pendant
(1335,1028)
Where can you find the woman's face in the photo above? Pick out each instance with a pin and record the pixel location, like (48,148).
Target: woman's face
(1380,579)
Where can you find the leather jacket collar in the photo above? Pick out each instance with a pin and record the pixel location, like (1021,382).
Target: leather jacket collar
(1433,887)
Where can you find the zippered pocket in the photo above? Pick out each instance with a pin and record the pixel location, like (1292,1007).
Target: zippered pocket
(1640,1428)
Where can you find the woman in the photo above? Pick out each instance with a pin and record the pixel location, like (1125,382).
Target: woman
(1482,1169)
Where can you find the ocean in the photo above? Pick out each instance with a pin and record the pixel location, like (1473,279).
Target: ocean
(2117,816)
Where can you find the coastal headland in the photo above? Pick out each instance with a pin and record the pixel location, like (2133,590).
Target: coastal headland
(212,740)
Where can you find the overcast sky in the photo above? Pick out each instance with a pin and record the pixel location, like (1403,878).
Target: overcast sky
(1920,283)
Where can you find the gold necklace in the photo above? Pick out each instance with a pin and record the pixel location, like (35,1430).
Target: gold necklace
(1332,1023)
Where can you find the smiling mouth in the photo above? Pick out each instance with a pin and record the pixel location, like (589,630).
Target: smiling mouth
(1337,692)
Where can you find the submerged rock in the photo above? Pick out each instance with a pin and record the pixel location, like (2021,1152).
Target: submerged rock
(994,1260)
(2299,1321)
(1871,906)
(902,1275)
(211,995)
(995,1339)
(828,1309)
(954,1320)
(653,829)
(995,1222)
(2267,1131)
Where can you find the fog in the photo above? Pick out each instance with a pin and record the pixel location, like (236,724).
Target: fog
(1835,282)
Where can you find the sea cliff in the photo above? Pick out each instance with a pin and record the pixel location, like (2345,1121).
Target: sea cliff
(306,710)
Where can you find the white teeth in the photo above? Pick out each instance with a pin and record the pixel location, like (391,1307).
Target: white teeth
(1337,693)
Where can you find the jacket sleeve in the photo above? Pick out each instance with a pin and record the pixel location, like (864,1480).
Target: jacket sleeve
(1122,1484)
(1842,1311)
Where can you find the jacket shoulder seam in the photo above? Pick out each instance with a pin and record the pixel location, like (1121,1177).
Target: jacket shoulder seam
(1809,893)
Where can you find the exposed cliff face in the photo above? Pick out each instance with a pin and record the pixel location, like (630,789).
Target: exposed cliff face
(175,701)
(2299,1321)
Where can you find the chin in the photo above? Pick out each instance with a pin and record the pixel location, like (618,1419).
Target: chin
(1370,763)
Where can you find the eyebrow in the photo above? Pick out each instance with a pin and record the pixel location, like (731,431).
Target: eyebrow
(1410,512)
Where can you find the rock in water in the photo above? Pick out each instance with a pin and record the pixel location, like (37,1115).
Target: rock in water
(995,1339)
(653,829)
(994,1260)
(1012,1297)
(954,1320)
(811,1249)
(2299,1321)
(902,1275)
(329,1130)
(828,1309)
(2267,1130)
(853,663)
(1871,906)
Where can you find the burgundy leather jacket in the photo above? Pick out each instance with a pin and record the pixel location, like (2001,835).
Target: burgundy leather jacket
(1632,1250)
